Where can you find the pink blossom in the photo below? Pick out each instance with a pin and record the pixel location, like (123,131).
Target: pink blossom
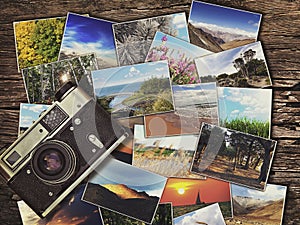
(164,38)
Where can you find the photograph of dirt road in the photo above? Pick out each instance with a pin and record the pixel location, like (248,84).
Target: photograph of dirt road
(233,156)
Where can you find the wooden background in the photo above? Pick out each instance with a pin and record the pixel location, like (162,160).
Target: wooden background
(280,36)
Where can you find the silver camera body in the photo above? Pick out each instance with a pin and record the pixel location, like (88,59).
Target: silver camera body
(60,149)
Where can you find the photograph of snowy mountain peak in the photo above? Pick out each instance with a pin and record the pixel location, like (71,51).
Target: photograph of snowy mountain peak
(217,28)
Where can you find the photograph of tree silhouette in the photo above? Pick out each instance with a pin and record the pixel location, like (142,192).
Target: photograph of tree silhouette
(239,67)
(38,41)
(42,82)
(135,90)
(133,38)
(233,156)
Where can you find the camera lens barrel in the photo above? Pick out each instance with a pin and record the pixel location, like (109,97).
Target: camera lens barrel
(54,162)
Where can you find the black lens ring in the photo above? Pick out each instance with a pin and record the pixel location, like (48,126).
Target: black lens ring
(68,160)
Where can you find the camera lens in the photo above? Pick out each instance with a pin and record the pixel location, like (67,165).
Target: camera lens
(54,162)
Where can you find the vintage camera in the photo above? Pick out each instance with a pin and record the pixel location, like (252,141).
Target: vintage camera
(60,149)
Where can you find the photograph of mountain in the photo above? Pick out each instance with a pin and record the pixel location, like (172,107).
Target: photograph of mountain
(166,156)
(180,55)
(233,156)
(29,113)
(84,34)
(187,195)
(133,38)
(38,41)
(239,67)
(135,90)
(70,211)
(125,189)
(246,109)
(163,216)
(256,207)
(218,28)
(210,215)
(42,81)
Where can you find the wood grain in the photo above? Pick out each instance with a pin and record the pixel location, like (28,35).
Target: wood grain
(279,34)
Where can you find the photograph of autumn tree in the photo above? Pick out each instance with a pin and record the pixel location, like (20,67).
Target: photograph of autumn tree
(256,207)
(125,189)
(70,211)
(163,216)
(218,28)
(233,156)
(187,195)
(42,81)
(210,215)
(135,90)
(84,34)
(167,156)
(180,55)
(38,41)
(246,109)
(133,38)
(29,113)
(239,67)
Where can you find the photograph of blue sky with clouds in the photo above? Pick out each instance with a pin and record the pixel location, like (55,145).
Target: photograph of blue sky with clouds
(85,34)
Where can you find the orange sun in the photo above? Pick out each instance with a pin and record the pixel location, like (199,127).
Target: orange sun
(181,191)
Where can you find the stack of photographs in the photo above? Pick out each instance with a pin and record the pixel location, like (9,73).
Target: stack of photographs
(194,95)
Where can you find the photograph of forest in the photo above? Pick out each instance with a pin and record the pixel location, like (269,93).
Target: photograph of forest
(168,156)
(245,109)
(256,207)
(135,90)
(163,216)
(70,211)
(188,195)
(133,38)
(218,28)
(209,215)
(29,113)
(42,82)
(233,156)
(84,34)
(125,189)
(38,41)
(239,67)
(180,55)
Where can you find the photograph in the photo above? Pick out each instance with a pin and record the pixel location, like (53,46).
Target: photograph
(29,113)
(210,215)
(38,41)
(256,207)
(167,156)
(248,110)
(187,195)
(163,216)
(42,81)
(218,28)
(239,67)
(133,38)
(233,156)
(84,34)
(71,211)
(180,55)
(134,90)
(125,189)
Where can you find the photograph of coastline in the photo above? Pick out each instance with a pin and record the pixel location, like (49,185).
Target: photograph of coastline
(133,38)
(233,156)
(135,90)
(218,28)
